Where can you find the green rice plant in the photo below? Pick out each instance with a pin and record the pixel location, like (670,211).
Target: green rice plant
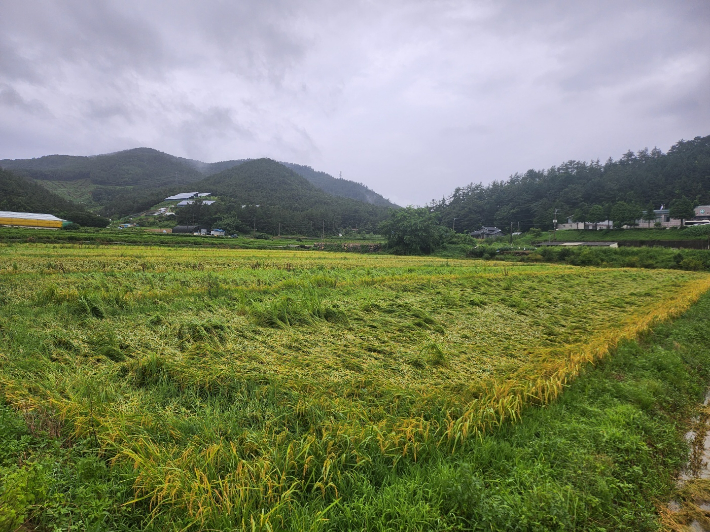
(193,331)
(148,370)
(88,306)
(433,353)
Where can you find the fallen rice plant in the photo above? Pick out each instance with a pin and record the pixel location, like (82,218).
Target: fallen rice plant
(255,381)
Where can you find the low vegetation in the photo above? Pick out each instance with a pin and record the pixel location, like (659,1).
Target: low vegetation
(269,390)
(698,232)
(624,257)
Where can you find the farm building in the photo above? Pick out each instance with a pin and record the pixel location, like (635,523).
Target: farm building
(187,195)
(31,219)
(186,229)
(487,232)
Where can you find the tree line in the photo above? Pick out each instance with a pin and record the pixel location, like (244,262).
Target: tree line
(624,191)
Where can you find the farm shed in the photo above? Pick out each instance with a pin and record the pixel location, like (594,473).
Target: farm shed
(31,219)
(186,229)
(487,232)
(187,195)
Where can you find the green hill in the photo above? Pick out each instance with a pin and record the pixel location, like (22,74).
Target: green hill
(21,195)
(326,182)
(139,167)
(338,186)
(265,196)
(583,190)
(130,181)
(115,184)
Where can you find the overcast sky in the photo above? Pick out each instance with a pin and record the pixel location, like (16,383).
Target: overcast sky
(412,98)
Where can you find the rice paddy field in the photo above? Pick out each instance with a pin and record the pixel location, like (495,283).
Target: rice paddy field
(259,390)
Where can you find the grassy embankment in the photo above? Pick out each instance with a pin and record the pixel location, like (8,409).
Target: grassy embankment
(652,258)
(140,236)
(621,235)
(272,390)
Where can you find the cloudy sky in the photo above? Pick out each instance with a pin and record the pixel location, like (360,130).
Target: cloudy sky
(412,98)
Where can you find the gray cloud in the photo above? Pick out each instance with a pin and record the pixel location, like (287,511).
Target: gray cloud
(201,128)
(9,97)
(412,98)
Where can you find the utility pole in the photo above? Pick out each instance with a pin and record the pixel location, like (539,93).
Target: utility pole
(554,223)
(453,225)
(322,236)
(511,232)
(279,228)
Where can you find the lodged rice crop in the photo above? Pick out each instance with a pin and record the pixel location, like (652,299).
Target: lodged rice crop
(252,388)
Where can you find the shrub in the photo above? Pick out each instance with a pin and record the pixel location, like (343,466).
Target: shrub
(71,227)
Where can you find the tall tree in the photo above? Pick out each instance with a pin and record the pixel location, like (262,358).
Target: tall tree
(623,213)
(649,215)
(681,208)
(596,215)
(413,230)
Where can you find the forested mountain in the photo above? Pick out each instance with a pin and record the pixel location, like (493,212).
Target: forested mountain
(129,181)
(214,168)
(21,195)
(326,182)
(338,186)
(118,183)
(583,190)
(140,167)
(265,196)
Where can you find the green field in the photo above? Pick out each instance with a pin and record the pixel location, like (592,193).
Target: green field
(141,236)
(261,389)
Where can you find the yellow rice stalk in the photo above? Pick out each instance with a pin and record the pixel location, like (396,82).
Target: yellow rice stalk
(507,399)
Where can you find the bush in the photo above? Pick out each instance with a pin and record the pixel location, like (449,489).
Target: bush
(691,264)
(698,230)
(71,226)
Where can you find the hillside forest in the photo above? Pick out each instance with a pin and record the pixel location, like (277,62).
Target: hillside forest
(127,182)
(622,190)
(21,195)
(274,198)
(267,197)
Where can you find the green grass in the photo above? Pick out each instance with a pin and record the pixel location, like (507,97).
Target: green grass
(78,191)
(623,257)
(620,235)
(139,236)
(217,388)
